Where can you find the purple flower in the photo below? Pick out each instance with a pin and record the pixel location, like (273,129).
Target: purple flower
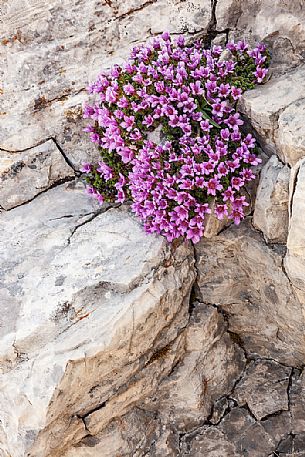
(86,167)
(188,92)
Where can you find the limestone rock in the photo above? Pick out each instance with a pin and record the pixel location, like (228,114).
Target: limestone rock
(290,134)
(294,260)
(25,174)
(280,24)
(275,111)
(212,443)
(207,365)
(50,51)
(297,402)
(264,388)
(209,369)
(249,437)
(239,273)
(89,300)
(271,205)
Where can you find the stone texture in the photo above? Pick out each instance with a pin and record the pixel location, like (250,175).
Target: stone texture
(279,23)
(23,175)
(271,204)
(211,442)
(50,51)
(249,437)
(264,388)
(243,276)
(210,367)
(297,402)
(207,365)
(290,135)
(294,260)
(275,110)
(81,289)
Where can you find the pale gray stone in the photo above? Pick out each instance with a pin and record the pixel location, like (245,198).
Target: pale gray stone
(280,24)
(23,175)
(91,286)
(266,106)
(51,51)
(294,260)
(271,204)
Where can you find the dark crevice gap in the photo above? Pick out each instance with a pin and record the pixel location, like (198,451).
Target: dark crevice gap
(52,186)
(135,10)
(93,216)
(65,157)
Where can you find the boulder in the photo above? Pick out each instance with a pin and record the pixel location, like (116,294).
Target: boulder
(88,302)
(280,24)
(271,204)
(207,364)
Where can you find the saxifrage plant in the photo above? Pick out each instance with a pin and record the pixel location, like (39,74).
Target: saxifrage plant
(203,161)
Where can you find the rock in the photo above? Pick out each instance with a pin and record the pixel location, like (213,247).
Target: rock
(51,51)
(209,369)
(278,426)
(23,175)
(243,276)
(248,436)
(279,24)
(274,110)
(81,289)
(211,443)
(207,365)
(271,204)
(290,135)
(294,259)
(297,402)
(264,388)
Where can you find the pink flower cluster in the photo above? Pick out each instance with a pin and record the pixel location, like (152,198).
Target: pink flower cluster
(204,159)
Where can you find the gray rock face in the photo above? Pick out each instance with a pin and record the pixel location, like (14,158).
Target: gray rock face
(102,352)
(240,273)
(85,297)
(271,204)
(294,260)
(50,51)
(280,24)
(23,175)
(264,388)
(276,111)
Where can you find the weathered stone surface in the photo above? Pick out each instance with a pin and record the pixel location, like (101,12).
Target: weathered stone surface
(81,290)
(264,388)
(25,174)
(271,204)
(207,365)
(248,436)
(209,369)
(50,51)
(275,111)
(290,135)
(294,260)
(297,402)
(212,443)
(280,24)
(239,273)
